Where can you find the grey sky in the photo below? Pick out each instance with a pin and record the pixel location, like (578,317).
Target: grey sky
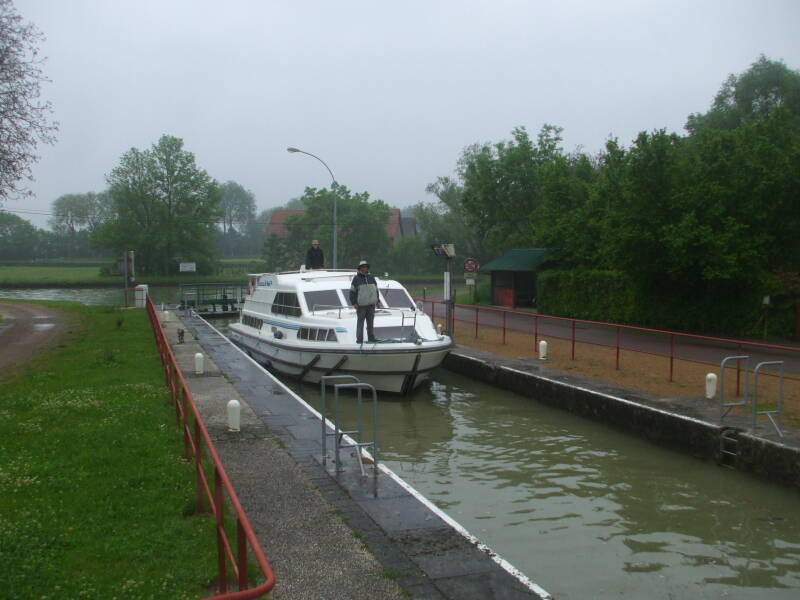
(388,94)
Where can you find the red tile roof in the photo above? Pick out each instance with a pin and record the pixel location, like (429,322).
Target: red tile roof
(276,220)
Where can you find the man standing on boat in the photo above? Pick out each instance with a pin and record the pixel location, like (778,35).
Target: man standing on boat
(364,297)
(314,257)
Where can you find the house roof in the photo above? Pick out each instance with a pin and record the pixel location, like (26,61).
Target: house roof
(518,259)
(276,222)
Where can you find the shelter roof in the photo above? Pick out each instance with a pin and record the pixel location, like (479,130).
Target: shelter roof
(517,259)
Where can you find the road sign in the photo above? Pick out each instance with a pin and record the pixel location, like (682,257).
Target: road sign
(470,265)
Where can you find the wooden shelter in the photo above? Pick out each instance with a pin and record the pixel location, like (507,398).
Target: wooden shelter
(514,276)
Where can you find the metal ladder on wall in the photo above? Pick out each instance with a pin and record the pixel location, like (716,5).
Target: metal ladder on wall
(351,383)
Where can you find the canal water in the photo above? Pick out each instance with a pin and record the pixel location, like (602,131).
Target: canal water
(584,511)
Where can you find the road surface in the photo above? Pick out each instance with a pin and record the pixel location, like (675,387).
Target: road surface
(25,330)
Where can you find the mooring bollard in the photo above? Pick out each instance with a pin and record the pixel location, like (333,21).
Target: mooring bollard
(711,386)
(234,415)
(198,364)
(543,350)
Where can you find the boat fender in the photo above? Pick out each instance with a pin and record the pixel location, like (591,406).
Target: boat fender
(278,335)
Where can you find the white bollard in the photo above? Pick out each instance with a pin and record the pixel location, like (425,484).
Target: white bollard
(543,350)
(234,414)
(166,316)
(711,385)
(198,364)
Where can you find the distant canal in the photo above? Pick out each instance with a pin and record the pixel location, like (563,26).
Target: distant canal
(584,511)
(91,296)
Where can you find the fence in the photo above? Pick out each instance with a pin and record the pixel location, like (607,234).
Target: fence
(671,345)
(197,443)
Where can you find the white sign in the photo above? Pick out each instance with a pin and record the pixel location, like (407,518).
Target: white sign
(188,267)
(470,281)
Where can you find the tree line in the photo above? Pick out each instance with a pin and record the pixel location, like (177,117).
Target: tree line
(701,227)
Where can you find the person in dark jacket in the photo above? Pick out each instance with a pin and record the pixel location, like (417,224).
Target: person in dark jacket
(314,257)
(364,297)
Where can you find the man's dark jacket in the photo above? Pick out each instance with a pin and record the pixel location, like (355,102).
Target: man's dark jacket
(314,258)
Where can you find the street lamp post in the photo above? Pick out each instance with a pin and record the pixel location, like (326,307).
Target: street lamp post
(333,188)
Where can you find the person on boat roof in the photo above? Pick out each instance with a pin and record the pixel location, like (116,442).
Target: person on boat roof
(314,257)
(364,297)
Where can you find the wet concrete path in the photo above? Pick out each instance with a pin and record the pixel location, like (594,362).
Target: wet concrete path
(314,524)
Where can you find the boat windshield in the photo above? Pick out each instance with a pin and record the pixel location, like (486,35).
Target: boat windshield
(322,299)
(397,298)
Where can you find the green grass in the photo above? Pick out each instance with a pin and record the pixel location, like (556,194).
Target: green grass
(95,501)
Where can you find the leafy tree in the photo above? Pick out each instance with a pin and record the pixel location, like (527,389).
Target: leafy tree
(238,206)
(412,255)
(361,224)
(24,118)
(74,217)
(447,221)
(502,187)
(19,239)
(238,212)
(165,208)
(765,87)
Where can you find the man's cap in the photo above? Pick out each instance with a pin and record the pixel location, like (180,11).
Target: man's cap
(314,242)
(363,263)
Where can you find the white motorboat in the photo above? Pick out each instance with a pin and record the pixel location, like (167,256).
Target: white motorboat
(301,323)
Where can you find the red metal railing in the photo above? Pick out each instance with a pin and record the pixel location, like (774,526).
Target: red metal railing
(653,342)
(188,418)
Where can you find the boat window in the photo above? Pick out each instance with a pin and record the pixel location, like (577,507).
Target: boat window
(397,298)
(319,335)
(393,333)
(285,303)
(322,299)
(252,321)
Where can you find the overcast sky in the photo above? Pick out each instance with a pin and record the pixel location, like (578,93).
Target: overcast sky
(387,93)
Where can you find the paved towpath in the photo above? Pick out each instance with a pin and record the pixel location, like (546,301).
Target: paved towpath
(685,347)
(326,535)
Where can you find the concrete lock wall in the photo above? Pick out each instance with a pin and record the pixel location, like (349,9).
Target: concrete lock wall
(771,460)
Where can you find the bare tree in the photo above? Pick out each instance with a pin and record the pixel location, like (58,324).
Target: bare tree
(24,118)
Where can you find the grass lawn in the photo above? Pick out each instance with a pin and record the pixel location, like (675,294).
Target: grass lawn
(95,500)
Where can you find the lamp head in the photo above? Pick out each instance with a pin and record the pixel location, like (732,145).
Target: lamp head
(292,149)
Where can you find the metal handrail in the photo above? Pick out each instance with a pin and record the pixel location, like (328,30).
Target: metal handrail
(777,411)
(193,448)
(730,405)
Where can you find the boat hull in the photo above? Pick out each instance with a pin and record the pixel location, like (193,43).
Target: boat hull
(395,368)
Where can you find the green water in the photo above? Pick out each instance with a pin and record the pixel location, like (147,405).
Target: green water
(584,511)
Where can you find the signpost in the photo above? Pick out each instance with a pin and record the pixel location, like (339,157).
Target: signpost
(471,267)
(448,251)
